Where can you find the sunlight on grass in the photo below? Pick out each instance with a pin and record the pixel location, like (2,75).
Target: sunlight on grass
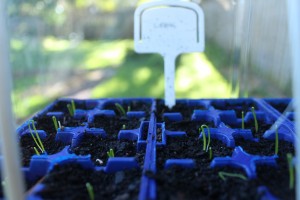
(16,44)
(136,75)
(107,54)
(29,105)
(142,75)
(36,63)
(196,77)
(53,44)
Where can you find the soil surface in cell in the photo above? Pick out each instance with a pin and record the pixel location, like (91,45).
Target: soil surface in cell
(27,143)
(98,148)
(203,182)
(238,107)
(191,128)
(112,125)
(185,110)
(69,182)
(130,106)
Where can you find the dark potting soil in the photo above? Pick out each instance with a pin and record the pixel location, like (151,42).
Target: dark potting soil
(130,106)
(69,121)
(61,106)
(27,143)
(180,183)
(281,107)
(191,128)
(192,148)
(265,147)
(69,182)
(98,148)
(238,106)
(276,179)
(145,131)
(185,110)
(112,125)
(203,182)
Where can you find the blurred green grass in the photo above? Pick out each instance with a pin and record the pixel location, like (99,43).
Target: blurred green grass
(35,62)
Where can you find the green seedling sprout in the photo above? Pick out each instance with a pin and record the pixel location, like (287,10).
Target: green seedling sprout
(70,109)
(111,153)
(205,146)
(235,175)
(204,138)
(289,158)
(37,140)
(123,126)
(276,140)
(210,153)
(120,109)
(255,119)
(73,106)
(59,125)
(36,151)
(55,122)
(243,120)
(90,190)
(128,108)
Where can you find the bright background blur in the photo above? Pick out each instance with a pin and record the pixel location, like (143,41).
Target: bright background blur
(84,49)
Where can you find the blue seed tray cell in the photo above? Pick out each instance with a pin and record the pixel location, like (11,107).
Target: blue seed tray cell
(151,132)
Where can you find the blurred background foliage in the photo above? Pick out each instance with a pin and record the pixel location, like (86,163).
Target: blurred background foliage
(84,49)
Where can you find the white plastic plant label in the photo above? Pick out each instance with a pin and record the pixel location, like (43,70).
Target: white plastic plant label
(169,27)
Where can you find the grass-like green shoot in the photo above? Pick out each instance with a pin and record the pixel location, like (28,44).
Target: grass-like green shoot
(128,108)
(276,140)
(255,119)
(111,153)
(70,109)
(243,120)
(120,109)
(123,127)
(36,151)
(55,122)
(203,138)
(205,146)
(289,158)
(36,138)
(90,190)
(210,153)
(73,106)
(59,125)
(223,175)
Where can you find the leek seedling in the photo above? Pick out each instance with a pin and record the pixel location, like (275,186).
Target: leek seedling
(289,158)
(90,190)
(205,146)
(243,120)
(70,109)
(128,108)
(255,119)
(36,151)
(37,140)
(210,153)
(55,122)
(123,126)
(223,174)
(73,106)
(59,125)
(111,153)
(120,109)
(276,140)
(204,139)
